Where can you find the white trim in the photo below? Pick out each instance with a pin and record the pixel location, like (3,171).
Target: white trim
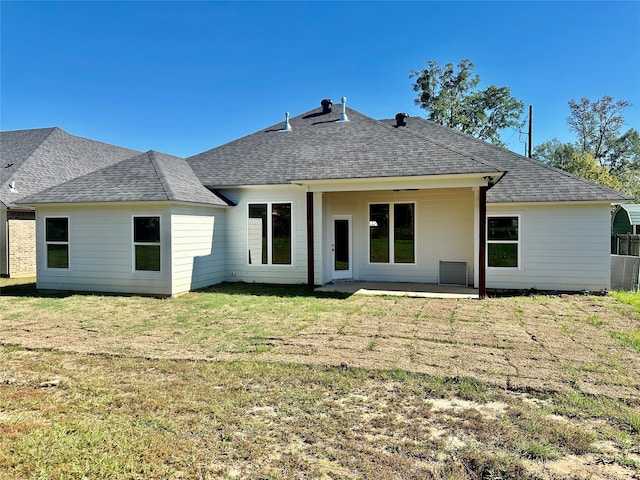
(134,244)
(401,183)
(546,204)
(270,263)
(47,243)
(518,242)
(391,232)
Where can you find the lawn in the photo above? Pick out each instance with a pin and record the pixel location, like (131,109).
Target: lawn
(273,382)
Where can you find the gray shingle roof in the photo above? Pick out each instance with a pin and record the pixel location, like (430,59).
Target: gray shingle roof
(526,180)
(319,147)
(40,158)
(150,176)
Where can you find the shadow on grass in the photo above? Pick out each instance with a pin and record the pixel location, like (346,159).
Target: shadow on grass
(10,288)
(30,290)
(270,290)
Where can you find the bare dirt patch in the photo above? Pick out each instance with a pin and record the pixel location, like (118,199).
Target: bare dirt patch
(331,387)
(543,343)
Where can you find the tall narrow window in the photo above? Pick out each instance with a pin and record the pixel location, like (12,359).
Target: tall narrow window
(146,240)
(379,233)
(281,233)
(57,240)
(270,234)
(403,233)
(258,234)
(503,241)
(392,233)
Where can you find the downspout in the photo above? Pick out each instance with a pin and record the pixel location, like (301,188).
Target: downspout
(482,263)
(310,245)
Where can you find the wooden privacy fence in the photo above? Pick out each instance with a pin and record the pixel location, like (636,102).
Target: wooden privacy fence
(625,244)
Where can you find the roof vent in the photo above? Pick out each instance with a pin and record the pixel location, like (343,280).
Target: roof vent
(343,115)
(12,187)
(401,119)
(287,126)
(326,105)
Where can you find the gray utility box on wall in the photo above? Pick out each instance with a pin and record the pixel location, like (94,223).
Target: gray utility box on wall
(453,273)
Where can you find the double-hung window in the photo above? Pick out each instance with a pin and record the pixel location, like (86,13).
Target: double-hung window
(57,242)
(503,241)
(146,243)
(392,233)
(269,233)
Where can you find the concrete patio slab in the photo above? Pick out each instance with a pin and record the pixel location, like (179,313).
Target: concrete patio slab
(422,290)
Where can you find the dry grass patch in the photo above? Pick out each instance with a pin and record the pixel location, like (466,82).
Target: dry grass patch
(242,381)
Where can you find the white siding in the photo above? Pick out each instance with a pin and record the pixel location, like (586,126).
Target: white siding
(4,268)
(101,250)
(198,247)
(238,268)
(444,231)
(563,247)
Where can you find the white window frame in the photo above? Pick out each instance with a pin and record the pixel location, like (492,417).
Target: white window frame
(67,243)
(392,233)
(518,242)
(134,244)
(270,234)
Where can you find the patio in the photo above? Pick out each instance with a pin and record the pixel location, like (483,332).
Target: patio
(421,290)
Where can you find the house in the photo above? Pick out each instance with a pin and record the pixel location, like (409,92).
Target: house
(145,225)
(327,195)
(30,161)
(626,219)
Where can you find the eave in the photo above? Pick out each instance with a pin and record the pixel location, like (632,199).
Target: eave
(468,180)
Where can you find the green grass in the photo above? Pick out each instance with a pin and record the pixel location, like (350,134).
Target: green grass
(125,418)
(630,298)
(628,339)
(266,381)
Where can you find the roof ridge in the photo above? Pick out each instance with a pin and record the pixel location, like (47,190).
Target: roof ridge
(94,172)
(30,156)
(164,181)
(521,157)
(448,147)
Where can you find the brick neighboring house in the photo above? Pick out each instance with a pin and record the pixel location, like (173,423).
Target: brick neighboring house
(31,161)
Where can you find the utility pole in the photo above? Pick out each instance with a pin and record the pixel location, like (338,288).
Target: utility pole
(530,128)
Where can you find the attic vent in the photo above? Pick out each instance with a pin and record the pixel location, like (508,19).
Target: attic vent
(343,115)
(287,126)
(326,105)
(401,119)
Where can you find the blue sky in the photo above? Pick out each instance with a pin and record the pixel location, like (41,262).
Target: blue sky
(183,77)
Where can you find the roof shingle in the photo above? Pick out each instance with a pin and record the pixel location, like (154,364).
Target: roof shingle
(526,180)
(320,147)
(150,176)
(40,158)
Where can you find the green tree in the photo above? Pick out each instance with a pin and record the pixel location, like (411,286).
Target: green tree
(585,165)
(624,152)
(597,125)
(452,99)
(554,153)
(598,144)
